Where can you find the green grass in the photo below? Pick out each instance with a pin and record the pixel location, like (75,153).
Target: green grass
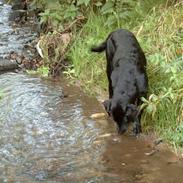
(161,36)
(86,66)
(42,71)
(160,33)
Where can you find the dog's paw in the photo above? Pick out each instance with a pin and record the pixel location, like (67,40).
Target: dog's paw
(107,106)
(122,129)
(137,129)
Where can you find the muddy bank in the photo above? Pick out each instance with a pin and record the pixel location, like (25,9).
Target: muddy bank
(134,160)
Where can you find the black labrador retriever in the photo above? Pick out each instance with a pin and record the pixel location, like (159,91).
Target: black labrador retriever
(128,82)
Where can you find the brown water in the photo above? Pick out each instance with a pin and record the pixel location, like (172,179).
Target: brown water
(47,135)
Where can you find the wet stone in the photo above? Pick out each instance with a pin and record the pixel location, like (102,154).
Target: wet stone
(41,175)
(7,65)
(116,139)
(123,164)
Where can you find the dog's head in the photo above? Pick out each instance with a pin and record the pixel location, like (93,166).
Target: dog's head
(121,112)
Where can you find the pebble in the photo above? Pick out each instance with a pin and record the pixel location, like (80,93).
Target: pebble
(116,139)
(123,164)
(97,115)
(151,153)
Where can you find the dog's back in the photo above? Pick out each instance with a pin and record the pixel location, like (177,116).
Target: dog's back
(121,44)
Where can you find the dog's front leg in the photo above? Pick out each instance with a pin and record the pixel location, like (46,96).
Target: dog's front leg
(122,125)
(136,126)
(107,106)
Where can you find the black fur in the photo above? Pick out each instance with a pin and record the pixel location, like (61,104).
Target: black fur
(128,82)
(99,48)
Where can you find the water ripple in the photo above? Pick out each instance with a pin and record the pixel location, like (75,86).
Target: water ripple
(41,133)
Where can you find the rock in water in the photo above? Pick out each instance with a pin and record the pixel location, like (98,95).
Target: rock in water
(6,65)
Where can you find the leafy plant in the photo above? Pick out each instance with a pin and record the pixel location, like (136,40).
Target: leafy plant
(42,71)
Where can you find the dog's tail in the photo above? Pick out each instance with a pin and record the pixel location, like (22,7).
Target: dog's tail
(99,48)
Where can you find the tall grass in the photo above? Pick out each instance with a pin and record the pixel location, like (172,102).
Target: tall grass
(88,67)
(161,36)
(160,33)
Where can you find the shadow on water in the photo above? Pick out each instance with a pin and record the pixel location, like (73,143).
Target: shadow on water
(47,135)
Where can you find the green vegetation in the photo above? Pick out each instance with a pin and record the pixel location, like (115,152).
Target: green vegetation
(1,94)
(43,71)
(158,26)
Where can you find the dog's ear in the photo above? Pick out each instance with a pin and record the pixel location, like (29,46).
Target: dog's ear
(107,106)
(131,111)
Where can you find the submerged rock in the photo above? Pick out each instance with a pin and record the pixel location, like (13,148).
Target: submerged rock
(6,65)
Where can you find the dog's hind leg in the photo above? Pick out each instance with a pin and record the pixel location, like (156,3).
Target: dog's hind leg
(110,49)
(110,89)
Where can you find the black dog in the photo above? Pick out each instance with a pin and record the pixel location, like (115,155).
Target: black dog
(128,82)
